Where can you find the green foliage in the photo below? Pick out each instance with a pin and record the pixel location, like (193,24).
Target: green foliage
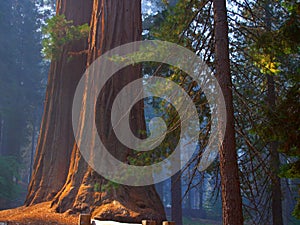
(283,123)
(291,26)
(266,64)
(296,212)
(271,45)
(109,186)
(175,23)
(60,32)
(291,170)
(276,52)
(286,127)
(8,174)
(96,187)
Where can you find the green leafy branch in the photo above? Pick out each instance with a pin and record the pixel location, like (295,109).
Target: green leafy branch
(59,32)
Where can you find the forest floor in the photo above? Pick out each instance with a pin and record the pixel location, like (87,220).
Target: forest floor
(198,221)
(40,214)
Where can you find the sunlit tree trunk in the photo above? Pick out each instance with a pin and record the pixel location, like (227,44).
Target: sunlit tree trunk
(60,169)
(56,138)
(231,194)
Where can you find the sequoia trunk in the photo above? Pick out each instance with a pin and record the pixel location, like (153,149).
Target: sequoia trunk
(60,168)
(56,138)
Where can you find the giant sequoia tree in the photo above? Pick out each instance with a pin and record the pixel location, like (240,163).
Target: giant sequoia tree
(60,172)
(56,138)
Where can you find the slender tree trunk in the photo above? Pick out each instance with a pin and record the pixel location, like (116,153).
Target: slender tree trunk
(275,185)
(274,162)
(231,195)
(56,138)
(273,146)
(176,212)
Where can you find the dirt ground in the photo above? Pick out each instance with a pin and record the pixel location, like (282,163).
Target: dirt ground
(40,214)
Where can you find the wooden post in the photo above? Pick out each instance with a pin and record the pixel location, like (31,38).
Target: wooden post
(148,222)
(84,219)
(168,223)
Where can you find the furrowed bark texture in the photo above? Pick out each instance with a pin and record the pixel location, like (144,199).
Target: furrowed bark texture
(56,138)
(77,187)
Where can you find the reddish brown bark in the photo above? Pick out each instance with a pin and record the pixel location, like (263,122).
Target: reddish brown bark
(231,195)
(80,188)
(56,138)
